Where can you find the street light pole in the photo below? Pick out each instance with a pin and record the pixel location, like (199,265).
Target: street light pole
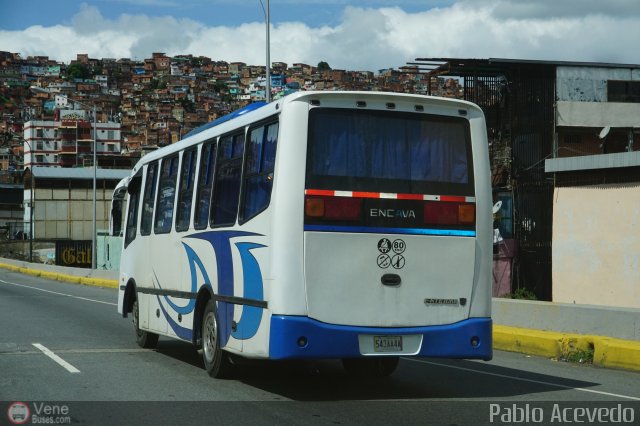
(267,87)
(31,189)
(95,168)
(31,227)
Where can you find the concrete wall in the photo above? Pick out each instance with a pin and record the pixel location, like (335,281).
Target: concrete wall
(597,114)
(596,245)
(109,251)
(68,213)
(621,323)
(589,84)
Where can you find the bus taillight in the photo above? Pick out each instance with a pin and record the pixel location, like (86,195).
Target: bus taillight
(449,213)
(314,207)
(333,208)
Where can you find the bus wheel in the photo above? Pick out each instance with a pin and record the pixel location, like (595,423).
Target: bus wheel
(216,361)
(371,367)
(145,339)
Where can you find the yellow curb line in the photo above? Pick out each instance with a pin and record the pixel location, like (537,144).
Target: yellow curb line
(95,282)
(607,352)
(99,282)
(10,267)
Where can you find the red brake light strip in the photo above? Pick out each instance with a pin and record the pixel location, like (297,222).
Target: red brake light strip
(418,197)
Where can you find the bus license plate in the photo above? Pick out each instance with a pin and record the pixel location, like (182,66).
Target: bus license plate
(387,343)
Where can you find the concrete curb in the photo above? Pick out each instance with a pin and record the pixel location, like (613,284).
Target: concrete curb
(607,352)
(91,281)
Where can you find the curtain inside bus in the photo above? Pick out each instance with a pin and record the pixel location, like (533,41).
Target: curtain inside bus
(388,151)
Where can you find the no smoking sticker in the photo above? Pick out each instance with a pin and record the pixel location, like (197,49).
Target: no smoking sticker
(384,261)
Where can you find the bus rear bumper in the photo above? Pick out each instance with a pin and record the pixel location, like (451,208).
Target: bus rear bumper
(296,337)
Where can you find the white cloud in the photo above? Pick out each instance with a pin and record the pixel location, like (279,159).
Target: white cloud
(365,38)
(545,9)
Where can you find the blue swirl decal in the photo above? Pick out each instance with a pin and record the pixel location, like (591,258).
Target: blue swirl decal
(194,261)
(253,289)
(181,332)
(253,286)
(221,243)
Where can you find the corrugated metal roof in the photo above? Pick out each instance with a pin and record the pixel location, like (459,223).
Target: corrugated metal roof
(79,173)
(490,66)
(591,162)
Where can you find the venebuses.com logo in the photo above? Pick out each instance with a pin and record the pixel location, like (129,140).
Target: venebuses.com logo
(18,413)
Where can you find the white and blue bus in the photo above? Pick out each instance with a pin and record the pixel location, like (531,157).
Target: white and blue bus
(339,225)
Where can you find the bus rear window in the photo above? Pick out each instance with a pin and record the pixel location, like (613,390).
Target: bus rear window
(388,151)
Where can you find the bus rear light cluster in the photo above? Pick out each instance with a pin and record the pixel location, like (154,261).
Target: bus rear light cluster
(449,213)
(435,213)
(333,208)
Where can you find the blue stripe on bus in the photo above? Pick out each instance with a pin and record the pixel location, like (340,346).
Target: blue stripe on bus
(341,341)
(225,118)
(374,230)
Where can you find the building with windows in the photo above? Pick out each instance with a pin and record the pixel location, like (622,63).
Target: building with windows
(596,173)
(68,141)
(564,143)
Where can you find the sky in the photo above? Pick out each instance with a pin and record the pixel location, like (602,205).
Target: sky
(348,34)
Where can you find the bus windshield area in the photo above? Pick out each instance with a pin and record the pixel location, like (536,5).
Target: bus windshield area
(389,151)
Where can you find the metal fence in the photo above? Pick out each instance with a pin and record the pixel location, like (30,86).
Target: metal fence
(518,102)
(17,230)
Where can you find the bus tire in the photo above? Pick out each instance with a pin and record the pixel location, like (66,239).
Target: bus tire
(371,366)
(145,339)
(216,361)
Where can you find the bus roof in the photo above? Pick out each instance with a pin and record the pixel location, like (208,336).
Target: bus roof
(260,110)
(226,118)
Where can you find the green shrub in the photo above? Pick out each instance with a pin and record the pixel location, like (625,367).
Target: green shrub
(522,293)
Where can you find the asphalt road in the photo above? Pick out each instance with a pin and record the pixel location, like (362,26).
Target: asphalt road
(65,345)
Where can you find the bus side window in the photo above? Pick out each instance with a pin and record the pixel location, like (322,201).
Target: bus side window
(166,195)
(147,198)
(185,191)
(258,179)
(205,182)
(116,218)
(132,211)
(226,193)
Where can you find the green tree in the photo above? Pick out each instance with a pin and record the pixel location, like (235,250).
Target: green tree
(77,70)
(220,87)
(323,66)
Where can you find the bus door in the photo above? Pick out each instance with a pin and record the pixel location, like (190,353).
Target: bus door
(166,251)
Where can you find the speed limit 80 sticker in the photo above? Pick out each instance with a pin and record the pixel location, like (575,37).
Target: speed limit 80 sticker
(391,253)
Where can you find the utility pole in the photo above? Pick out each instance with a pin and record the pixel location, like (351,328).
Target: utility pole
(268,82)
(94,247)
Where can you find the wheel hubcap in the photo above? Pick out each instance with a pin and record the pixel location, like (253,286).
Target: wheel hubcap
(136,319)
(209,337)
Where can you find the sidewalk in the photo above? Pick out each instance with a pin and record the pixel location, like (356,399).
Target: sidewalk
(552,330)
(610,337)
(601,350)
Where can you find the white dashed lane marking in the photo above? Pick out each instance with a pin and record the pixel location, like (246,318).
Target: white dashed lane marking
(70,368)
